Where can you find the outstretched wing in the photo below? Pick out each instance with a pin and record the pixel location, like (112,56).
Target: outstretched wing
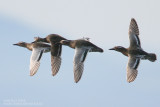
(79,58)
(55,57)
(133,34)
(132,66)
(35,60)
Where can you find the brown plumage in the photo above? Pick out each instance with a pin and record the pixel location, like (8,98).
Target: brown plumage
(56,49)
(37,50)
(134,52)
(82,47)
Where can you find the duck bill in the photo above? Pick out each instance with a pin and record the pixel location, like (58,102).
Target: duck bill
(112,49)
(15,44)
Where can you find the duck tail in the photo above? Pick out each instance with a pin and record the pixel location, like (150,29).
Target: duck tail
(97,49)
(152,57)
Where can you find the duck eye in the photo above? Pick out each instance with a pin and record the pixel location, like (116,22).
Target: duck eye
(119,47)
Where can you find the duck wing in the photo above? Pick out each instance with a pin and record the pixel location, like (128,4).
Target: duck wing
(35,60)
(132,66)
(133,34)
(79,58)
(55,57)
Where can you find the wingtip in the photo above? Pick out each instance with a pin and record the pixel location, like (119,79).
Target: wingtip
(55,64)
(133,19)
(53,74)
(133,27)
(129,81)
(76,81)
(31,74)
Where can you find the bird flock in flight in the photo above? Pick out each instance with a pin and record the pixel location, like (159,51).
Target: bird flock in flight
(53,44)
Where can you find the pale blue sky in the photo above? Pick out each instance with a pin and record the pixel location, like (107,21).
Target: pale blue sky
(103,83)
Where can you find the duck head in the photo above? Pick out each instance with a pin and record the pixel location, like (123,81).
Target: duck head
(22,44)
(69,43)
(65,42)
(38,39)
(120,49)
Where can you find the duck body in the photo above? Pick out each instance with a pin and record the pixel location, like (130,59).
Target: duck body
(82,47)
(56,50)
(37,51)
(52,38)
(134,52)
(80,43)
(138,53)
(143,55)
(46,47)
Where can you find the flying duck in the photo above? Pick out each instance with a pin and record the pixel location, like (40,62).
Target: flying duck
(134,52)
(82,47)
(56,49)
(37,50)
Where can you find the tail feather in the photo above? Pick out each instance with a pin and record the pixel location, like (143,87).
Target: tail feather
(152,57)
(97,49)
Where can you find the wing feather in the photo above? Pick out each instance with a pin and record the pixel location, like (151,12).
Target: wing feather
(79,58)
(55,63)
(55,58)
(35,60)
(132,68)
(133,34)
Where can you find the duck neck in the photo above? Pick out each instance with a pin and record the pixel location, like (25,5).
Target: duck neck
(124,51)
(71,44)
(28,46)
